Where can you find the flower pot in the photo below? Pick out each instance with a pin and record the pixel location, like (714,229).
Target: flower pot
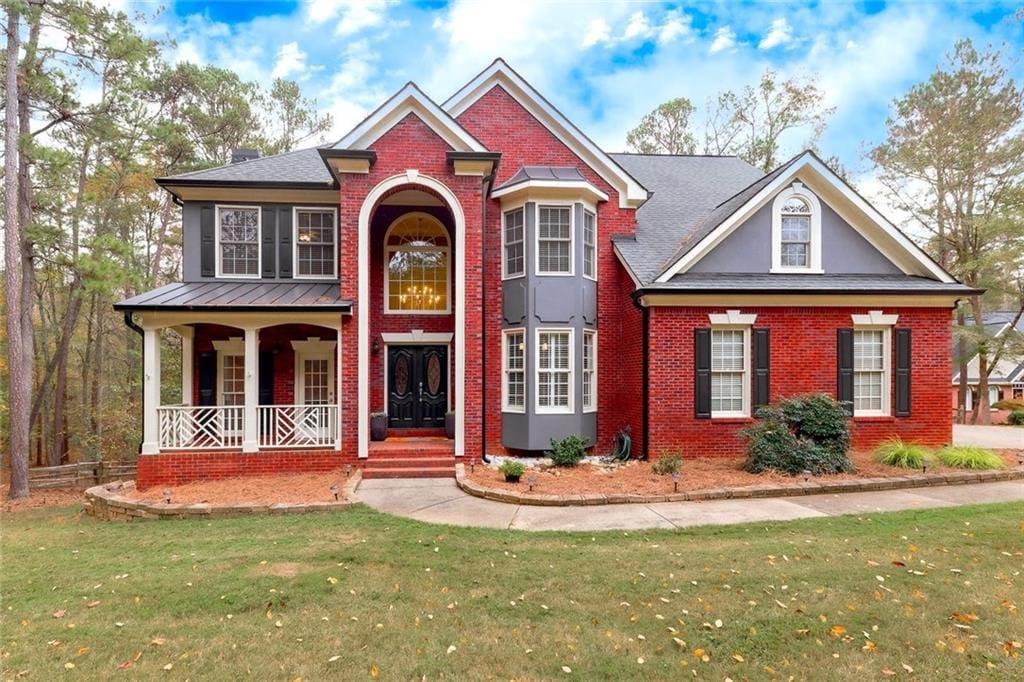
(449,425)
(378,426)
(511,478)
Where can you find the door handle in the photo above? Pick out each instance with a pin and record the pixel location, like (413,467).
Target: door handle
(419,394)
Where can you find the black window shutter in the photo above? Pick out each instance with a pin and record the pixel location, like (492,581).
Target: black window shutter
(207,378)
(844,353)
(702,376)
(284,230)
(762,352)
(269,245)
(902,372)
(207,243)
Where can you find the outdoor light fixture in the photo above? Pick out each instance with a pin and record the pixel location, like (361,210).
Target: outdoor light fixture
(924,467)
(675,482)
(334,490)
(167,495)
(472,465)
(376,346)
(807,476)
(531,478)
(1020,458)
(348,469)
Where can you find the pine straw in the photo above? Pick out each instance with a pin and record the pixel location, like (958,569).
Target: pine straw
(286,488)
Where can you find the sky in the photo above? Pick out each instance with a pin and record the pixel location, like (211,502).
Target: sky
(604,64)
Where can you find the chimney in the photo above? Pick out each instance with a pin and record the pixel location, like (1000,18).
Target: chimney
(242,154)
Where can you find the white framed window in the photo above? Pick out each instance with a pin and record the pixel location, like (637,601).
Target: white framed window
(416,273)
(796,231)
(589,371)
(316,243)
(237,236)
(871,371)
(730,372)
(513,362)
(513,253)
(554,370)
(589,244)
(554,239)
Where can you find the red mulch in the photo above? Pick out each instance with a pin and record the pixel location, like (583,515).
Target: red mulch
(697,474)
(286,488)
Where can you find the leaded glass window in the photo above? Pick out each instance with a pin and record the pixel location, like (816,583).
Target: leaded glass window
(238,233)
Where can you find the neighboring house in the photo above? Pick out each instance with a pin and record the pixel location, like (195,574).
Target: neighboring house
(1006,380)
(484,257)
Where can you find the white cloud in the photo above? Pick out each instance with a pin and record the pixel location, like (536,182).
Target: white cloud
(639,26)
(290,59)
(725,39)
(597,32)
(677,25)
(357,15)
(781,33)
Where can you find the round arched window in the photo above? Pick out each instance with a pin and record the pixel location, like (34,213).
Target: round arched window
(416,254)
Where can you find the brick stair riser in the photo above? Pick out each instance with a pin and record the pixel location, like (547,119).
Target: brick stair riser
(409,473)
(412,463)
(406,451)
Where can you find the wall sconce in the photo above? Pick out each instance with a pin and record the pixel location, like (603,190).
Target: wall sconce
(376,346)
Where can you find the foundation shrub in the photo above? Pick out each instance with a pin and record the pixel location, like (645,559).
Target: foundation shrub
(806,433)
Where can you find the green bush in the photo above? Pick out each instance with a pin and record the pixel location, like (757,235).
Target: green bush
(803,433)
(567,452)
(1016,418)
(1012,404)
(969,457)
(666,465)
(895,453)
(512,468)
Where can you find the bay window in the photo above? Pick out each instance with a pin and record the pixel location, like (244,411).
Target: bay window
(554,370)
(589,371)
(513,256)
(554,240)
(514,369)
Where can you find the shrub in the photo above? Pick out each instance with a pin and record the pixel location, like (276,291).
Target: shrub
(1016,418)
(1012,404)
(803,433)
(512,468)
(969,457)
(567,452)
(666,465)
(895,453)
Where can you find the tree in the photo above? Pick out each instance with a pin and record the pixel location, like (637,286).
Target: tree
(293,118)
(666,130)
(953,160)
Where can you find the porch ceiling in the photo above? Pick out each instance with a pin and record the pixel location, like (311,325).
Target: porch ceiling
(255,296)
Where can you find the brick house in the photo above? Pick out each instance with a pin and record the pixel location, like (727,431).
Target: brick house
(483,259)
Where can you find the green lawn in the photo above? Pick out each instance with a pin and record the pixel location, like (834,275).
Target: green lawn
(356,595)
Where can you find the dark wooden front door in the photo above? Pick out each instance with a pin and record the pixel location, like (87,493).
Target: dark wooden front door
(417,386)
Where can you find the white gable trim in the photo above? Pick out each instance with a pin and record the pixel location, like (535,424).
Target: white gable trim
(903,252)
(409,100)
(631,193)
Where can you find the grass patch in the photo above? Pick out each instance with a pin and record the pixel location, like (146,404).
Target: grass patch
(358,594)
(969,457)
(895,453)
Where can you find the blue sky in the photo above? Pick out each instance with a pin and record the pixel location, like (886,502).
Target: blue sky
(603,64)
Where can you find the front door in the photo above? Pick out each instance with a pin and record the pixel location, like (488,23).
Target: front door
(417,386)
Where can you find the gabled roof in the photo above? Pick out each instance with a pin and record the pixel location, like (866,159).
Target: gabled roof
(631,192)
(299,168)
(1010,367)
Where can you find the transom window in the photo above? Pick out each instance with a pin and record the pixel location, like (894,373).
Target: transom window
(238,238)
(315,248)
(796,233)
(554,240)
(729,383)
(589,370)
(589,245)
(416,250)
(515,370)
(870,369)
(512,238)
(554,370)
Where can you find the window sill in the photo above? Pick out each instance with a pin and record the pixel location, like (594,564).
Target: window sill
(796,271)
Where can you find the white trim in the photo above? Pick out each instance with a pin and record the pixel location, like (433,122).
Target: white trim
(874,318)
(583,376)
(363,311)
(187,335)
(547,409)
(813,267)
(745,381)
(631,193)
(886,330)
(416,337)
(410,100)
(583,243)
(505,407)
(216,240)
(625,266)
(568,187)
(150,391)
(504,261)
(732,317)
(914,259)
(295,241)
(572,238)
(446,250)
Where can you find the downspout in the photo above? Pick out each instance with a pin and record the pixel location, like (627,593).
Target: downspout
(645,351)
(132,324)
(485,190)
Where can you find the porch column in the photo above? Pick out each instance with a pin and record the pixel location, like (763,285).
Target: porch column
(150,390)
(250,435)
(338,387)
(187,335)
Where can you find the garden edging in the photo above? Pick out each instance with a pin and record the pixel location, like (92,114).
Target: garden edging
(806,488)
(108,503)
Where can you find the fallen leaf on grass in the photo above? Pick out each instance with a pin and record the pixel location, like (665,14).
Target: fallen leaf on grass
(837,631)
(158,641)
(92,604)
(451,648)
(60,614)
(963,617)
(332,659)
(566,669)
(374,671)
(1011,648)
(332,580)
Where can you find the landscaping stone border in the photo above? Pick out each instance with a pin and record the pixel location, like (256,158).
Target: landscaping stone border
(108,502)
(808,488)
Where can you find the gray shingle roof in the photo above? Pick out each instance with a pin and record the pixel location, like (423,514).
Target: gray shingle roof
(686,190)
(249,296)
(807,284)
(303,166)
(550,173)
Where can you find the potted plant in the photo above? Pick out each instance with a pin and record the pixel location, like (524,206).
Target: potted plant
(449,424)
(378,426)
(512,470)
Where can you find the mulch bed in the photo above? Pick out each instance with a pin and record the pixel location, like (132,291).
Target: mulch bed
(283,488)
(45,497)
(637,478)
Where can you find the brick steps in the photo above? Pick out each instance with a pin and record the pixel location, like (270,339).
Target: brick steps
(411,457)
(416,472)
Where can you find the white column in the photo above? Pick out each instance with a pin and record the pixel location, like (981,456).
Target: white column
(187,335)
(150,390)
(250,436)
(338,387)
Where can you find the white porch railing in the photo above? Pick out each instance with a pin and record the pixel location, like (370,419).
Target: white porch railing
(297,425)
(199,428)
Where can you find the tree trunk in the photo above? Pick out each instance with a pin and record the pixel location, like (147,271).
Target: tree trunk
(962,386)
(982,415)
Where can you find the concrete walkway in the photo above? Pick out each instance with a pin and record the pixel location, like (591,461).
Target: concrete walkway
(440,501)
(1008,437)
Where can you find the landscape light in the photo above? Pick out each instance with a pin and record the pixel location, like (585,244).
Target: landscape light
(675,481)
(807,476)
(334,490)
(531,478)
(167,495)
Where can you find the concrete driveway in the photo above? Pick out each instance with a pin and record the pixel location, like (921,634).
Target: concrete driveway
(1005,437)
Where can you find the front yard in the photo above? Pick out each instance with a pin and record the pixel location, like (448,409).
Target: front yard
(359,595)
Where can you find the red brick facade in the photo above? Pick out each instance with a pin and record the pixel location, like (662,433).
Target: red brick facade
(176,468)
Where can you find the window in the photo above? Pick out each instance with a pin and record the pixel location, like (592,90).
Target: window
(870,372)
(416,252)
(589,245)
(554,240)
(238,239)
(315,248)
(796,231)
(232,390)
(514,363)
(512,237)
(554,370)
(589,371)
(729,385)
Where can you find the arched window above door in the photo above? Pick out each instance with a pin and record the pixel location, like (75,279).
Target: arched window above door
(416,260)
